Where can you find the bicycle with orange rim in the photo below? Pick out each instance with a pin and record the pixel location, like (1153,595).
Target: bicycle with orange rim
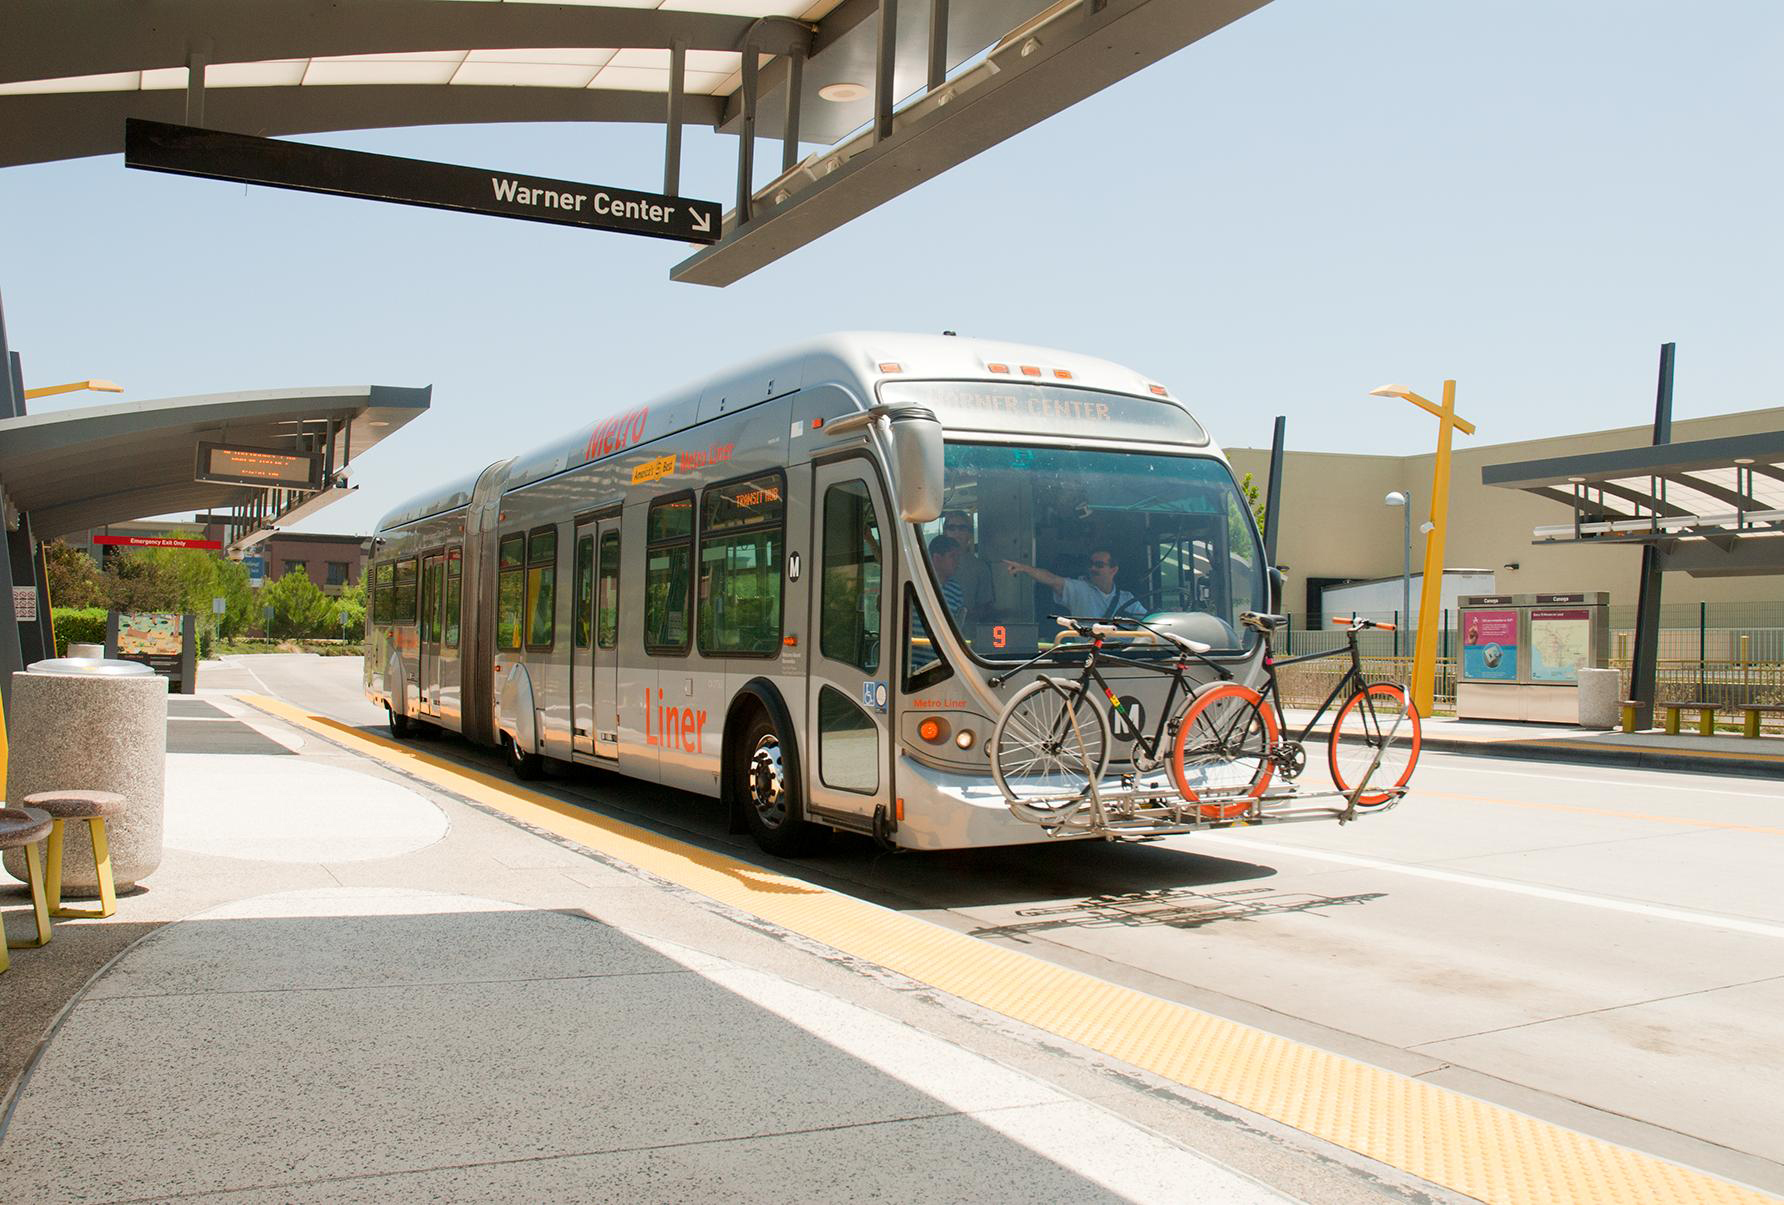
(1230,743)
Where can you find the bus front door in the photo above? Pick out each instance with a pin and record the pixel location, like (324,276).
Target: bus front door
(432,625)
(847,760)
(595,648)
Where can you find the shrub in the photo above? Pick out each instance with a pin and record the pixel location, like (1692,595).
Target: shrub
(77,625)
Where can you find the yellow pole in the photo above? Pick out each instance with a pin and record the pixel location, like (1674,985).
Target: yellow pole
(1424,659)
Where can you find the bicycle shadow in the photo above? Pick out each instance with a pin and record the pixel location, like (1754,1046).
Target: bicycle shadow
(1175,908)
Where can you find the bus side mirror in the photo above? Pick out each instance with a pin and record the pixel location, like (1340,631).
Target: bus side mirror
(917,450)
(1276,589)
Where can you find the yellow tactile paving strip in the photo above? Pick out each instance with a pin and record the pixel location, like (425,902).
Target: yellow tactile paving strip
(1453,1140)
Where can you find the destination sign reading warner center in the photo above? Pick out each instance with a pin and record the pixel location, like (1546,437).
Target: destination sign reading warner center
(188,151)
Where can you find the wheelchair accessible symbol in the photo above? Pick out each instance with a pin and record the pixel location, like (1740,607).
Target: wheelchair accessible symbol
(873,694)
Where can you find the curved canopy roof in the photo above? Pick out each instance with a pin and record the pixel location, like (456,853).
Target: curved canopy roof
(892,103)
(73,470)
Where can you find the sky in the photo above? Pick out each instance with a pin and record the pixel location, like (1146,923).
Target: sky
(1321,198)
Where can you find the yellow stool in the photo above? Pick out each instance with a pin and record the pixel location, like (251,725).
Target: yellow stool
(26,827)
(93,807)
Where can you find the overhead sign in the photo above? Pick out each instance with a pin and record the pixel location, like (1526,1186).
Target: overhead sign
(188,151)
(227,464)
(157,542)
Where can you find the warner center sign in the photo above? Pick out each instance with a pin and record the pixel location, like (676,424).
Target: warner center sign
(189,151)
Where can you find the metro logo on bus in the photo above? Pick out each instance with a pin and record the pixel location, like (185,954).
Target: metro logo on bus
(617,434)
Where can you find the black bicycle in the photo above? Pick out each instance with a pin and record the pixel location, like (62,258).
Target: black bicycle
(1051,741)
(1229,742)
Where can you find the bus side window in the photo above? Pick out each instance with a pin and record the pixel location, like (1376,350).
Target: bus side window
(454,594)
(585,590)
(541,587)
(607,600)
(510,590)
(849,628)
(668,563)
(404,597)
(383,580)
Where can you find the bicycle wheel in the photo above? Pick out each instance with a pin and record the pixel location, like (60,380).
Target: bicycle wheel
(1221,757)
(1048,745)
(1381,718)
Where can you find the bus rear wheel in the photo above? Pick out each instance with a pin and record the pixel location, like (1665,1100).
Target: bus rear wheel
(526,766)
(765,783)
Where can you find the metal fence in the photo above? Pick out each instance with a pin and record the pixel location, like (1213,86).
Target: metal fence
(1722,653)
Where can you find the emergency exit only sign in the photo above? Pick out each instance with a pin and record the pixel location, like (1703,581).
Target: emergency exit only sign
(189,151)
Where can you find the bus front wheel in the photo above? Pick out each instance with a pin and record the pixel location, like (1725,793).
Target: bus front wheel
(767,784)
(400,727)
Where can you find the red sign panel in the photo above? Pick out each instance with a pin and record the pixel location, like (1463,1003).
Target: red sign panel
(158,542)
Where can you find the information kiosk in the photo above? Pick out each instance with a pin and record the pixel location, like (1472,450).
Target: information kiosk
(1522,653)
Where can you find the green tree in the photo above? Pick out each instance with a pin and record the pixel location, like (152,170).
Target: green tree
(299,607)
(238,598)
(134,582)
(75,581)
(1237,536)
(351,599)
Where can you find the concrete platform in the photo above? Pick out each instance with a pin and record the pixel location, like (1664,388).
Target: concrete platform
(346,984)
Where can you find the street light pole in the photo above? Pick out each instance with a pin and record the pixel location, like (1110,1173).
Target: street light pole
(1404,502)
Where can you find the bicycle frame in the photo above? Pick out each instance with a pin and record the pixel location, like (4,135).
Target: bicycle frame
(1178,669)
(1351,680)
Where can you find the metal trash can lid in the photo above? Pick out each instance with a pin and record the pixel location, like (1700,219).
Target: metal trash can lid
(103,667)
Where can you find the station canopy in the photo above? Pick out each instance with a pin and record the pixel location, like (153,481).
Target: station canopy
(1711,507)
(892,106)
(73,470)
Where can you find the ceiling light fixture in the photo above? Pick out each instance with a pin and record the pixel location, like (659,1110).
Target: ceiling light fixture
(842,93)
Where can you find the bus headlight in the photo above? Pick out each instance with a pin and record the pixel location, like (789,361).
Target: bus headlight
(964,738)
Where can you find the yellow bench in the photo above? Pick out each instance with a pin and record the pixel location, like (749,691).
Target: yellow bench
(1751,713)
(1706,716)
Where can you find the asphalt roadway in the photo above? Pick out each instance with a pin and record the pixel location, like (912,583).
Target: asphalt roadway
(1596,947)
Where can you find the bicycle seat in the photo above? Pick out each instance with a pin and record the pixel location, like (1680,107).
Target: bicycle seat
(1259,621)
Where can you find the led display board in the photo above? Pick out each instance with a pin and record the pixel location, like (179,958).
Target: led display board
(229,464)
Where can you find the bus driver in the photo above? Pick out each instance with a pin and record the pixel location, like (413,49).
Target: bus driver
(1093,595)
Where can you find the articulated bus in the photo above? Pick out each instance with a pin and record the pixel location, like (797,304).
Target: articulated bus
(790,586)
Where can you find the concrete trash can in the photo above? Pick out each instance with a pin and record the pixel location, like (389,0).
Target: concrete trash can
(1599,705)
(90,724)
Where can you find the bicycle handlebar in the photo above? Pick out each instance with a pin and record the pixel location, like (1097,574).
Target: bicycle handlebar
(1113,626)
(1357,623)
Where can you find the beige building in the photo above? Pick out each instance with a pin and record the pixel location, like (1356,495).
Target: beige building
(1336,528)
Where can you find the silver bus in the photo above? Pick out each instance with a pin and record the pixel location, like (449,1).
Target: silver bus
(788,586)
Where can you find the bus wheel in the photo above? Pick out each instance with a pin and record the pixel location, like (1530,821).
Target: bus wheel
(400,727)
(765,783)
(526,766)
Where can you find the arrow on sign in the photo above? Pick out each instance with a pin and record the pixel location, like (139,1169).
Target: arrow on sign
(702,223)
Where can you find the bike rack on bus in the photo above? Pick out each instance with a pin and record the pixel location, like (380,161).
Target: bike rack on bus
(1142,813)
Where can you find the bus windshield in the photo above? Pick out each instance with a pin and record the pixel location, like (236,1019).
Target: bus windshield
(1027,533)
